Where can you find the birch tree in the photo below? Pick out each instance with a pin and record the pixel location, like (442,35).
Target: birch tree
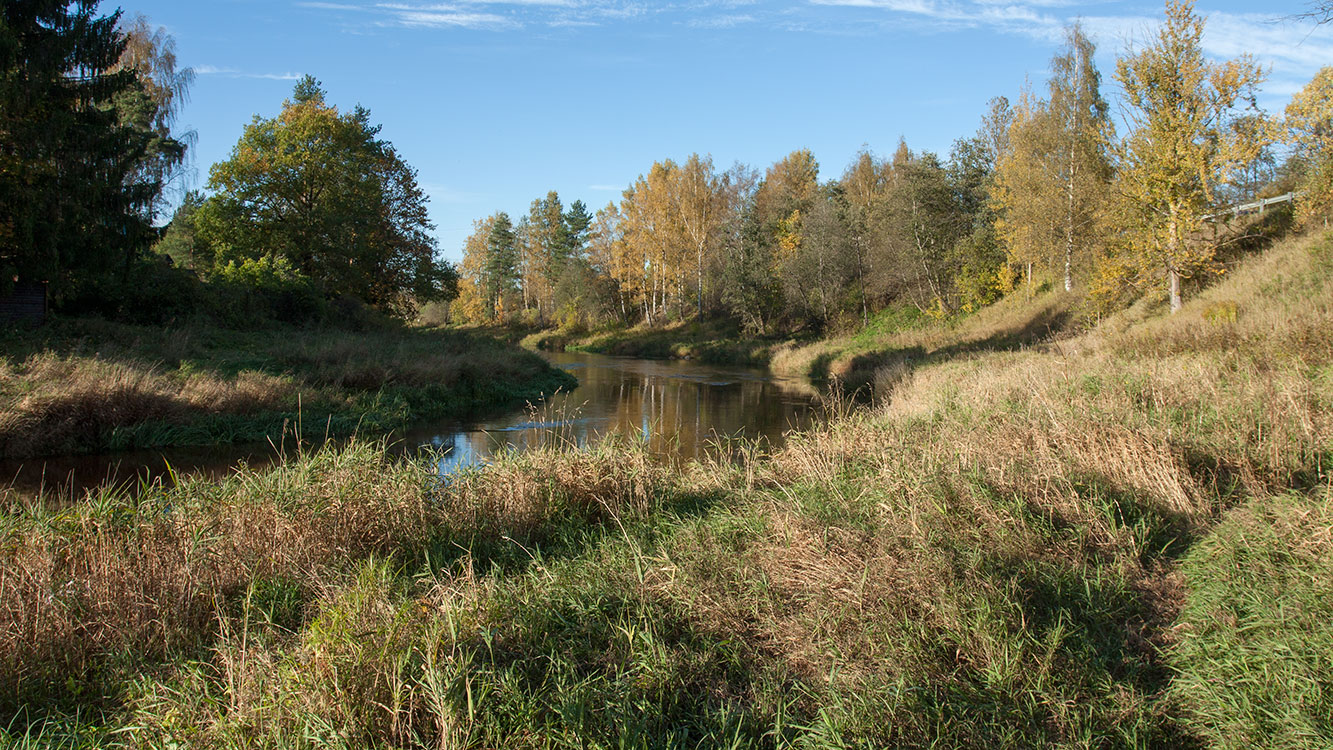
(1181,145)
(700,203)
(1056,176)
(865,186)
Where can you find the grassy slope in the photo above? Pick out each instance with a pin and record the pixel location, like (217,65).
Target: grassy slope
(88,385)
(1116,540)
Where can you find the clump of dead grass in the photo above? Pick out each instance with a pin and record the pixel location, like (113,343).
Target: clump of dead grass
(149,573)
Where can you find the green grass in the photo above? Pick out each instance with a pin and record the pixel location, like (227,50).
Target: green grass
(1113,540)
(1256,666)
(712,342)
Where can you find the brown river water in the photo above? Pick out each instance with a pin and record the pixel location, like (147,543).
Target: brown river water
(682,409)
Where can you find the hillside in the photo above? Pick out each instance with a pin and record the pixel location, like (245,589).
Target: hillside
(1122,538)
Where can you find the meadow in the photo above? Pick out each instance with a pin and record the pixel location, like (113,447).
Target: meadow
(1114,537)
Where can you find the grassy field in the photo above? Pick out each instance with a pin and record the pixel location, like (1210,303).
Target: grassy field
(87,385)
(1116,539)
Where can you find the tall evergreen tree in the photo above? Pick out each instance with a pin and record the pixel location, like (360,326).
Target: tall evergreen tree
(75,204)
(577,225)
(500,269)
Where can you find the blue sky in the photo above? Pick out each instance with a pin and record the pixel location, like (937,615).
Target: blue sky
(497,102)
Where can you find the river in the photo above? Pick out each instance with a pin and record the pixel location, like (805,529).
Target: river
(680,408)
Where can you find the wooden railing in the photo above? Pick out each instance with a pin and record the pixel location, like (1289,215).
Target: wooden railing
(1259,206)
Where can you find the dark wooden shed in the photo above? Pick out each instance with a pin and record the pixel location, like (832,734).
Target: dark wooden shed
(25,302)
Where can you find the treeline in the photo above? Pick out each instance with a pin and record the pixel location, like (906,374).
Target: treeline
(313,217)
(1044,192)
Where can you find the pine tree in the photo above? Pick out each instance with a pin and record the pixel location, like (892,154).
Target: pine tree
(577,224)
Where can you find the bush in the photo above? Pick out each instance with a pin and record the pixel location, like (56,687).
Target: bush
(153,291)
(249,293)
(435,314)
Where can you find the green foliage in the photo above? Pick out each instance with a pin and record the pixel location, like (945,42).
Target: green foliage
(75,185)
(499,268)
(321,190)
(180,240)
(251,292)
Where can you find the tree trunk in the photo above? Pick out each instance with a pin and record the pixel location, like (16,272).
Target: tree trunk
(1172,251)
(1174,276)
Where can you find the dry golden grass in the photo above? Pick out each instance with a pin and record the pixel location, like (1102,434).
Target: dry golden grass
(85,379)
(991,557)
(859,360)
(149,574)
(50,403)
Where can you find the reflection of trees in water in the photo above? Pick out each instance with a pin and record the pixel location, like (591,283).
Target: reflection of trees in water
(683,416)
(678,416)
(680,411)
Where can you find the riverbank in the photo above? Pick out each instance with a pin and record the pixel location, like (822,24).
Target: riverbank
(714,343)
(893,341)
(87,385)
(1115,539)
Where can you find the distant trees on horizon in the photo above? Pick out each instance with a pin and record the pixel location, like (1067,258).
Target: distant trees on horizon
(314,205)
(1043,191)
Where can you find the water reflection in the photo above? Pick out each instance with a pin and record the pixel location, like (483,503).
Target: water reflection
(680,409)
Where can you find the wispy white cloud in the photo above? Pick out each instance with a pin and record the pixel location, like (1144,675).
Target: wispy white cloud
(934,15)
(214,70)
(439,16)
(506,14)
(1293,51)
(720,22)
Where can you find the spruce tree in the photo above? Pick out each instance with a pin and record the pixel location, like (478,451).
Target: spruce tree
(500,271)
(577,223)
(75,206)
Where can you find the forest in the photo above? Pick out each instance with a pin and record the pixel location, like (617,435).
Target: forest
(315,217)
(1047,192)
